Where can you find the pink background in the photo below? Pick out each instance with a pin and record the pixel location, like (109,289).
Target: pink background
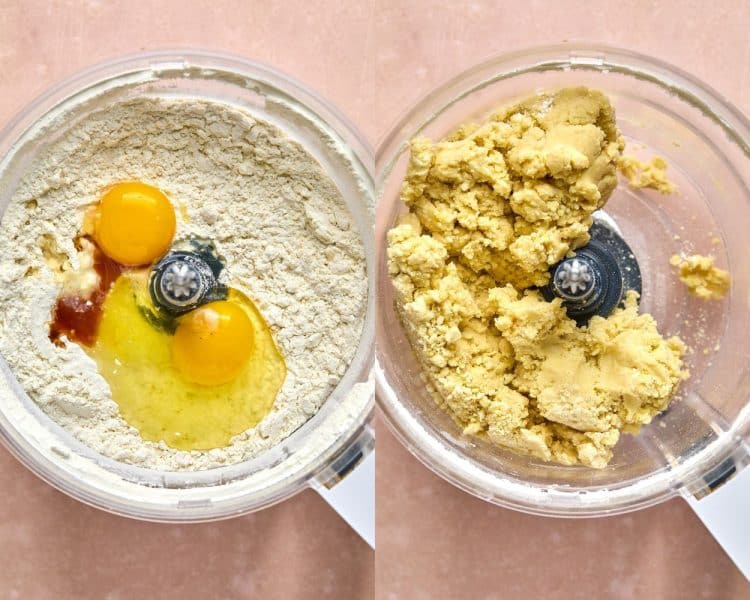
(54,547)
(436,541)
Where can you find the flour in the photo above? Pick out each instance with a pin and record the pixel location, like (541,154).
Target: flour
(275,216)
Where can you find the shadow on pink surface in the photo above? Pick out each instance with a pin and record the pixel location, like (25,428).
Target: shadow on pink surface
(54,546)
(436,541)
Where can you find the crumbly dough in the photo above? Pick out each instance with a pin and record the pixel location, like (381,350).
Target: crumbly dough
(491,209)
(289,241)
(652,174)
(702,278)
(513,196)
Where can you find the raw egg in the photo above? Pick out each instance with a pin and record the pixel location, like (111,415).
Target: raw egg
(213,343)
(215,377)
(134,223)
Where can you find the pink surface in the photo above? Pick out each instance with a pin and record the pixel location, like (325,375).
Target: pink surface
(436,541)
(425,44)
(54,547)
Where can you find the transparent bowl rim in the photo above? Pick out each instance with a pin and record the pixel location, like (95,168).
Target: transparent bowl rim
(428,448)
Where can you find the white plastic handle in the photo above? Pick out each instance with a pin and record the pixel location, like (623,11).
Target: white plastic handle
(726,514)
(353,498)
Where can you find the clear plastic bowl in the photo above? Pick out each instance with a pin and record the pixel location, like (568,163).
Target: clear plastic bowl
(332,441)
(701,439)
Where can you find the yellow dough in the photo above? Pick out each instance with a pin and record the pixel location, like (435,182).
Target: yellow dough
(491,209)
(513,196)
(702,278)
(646,175)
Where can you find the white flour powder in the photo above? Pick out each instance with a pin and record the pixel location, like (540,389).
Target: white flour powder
(287,236)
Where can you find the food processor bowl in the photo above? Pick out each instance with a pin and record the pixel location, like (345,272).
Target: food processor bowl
(701,439)
(333,441)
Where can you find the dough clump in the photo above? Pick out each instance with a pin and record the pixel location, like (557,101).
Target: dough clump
(702,278)
(652,174)
(492,207)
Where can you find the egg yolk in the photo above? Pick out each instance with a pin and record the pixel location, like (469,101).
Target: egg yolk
(213,343)
(137,360)
(134,223)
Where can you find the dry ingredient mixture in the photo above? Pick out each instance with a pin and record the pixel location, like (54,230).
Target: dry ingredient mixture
(702,278)
(277,219)
(491,209)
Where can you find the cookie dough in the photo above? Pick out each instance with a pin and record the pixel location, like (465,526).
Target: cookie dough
(702,278)
(491,209)
(652,174)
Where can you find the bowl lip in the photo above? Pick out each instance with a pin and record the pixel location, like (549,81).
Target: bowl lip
(355,150)
(684,479)
(579,54)
(177,55)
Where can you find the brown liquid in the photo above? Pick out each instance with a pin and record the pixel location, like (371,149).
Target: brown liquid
(78,317)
